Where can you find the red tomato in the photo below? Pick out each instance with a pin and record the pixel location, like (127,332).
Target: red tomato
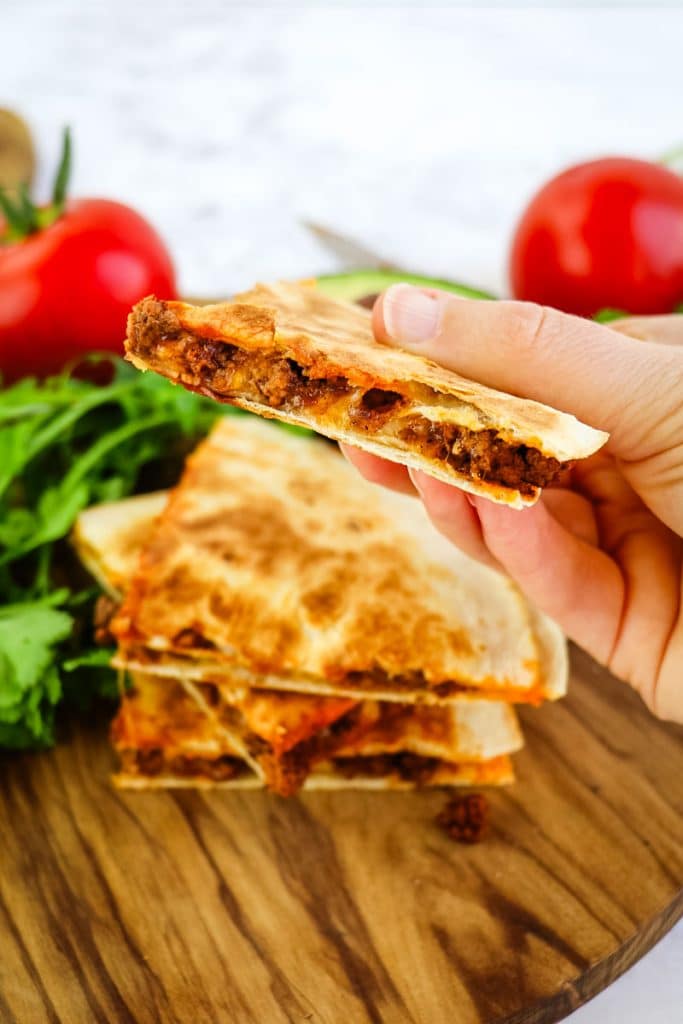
(603,234)
(67,290)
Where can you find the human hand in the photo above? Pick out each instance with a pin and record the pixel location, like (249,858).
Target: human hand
(602,553)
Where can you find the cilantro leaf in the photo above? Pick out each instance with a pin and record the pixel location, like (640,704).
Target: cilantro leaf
(66,443)
(29,680)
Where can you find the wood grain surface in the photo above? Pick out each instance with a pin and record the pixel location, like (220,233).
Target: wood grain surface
(342,908)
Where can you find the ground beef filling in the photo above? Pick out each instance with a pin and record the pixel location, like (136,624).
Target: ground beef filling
(229,373)
(105,610)
(370,681)
(377,680)
(286,773)
(155,762)
(151,763)
(408,767)
(481,454)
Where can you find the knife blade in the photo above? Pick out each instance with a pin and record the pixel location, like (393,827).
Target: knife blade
(351,252)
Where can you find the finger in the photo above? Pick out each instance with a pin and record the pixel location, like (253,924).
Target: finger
(619,508)
(575,583)
(614,610)
(603,377)
(574,512)
(600,479)
(650,560)
(379,471)
(667,330)
(667,698)
(454,516)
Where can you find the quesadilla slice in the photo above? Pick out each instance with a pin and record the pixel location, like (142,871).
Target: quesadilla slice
(164,738)
(289,352)
(274,560)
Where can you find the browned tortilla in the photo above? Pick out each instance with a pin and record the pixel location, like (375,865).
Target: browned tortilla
(289,352)
(275,560)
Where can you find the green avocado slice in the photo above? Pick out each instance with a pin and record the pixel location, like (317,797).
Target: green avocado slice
(354,285)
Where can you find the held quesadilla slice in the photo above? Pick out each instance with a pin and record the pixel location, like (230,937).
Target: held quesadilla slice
(289,352)
(165,738)
(275,561)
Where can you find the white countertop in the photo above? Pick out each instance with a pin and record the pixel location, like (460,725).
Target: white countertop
(421,131)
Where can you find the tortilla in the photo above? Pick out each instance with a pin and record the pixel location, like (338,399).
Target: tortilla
(275,560)
(165,738)
(289,352)
(109,538)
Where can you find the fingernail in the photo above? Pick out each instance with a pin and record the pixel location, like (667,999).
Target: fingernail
(410,316)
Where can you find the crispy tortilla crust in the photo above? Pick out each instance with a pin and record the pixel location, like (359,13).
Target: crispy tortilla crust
(227,372)
(409,688)
(109,537)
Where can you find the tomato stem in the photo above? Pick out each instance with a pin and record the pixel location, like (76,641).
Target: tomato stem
(27,210)
(63,172)
(22,216)
(10,215)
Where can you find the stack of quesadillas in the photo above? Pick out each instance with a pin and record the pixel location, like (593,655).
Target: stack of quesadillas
(284,623)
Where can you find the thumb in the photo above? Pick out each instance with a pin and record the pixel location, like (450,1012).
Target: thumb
(608,380)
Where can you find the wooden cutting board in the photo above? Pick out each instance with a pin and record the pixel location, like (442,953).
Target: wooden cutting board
(342,908)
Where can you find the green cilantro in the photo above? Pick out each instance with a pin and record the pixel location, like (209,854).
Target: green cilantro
(66,443)
(30,685)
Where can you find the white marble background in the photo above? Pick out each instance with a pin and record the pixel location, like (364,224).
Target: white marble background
(421,130)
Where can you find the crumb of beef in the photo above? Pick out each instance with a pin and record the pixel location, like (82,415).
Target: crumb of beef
(192,639)
(408,767)
(378,679)
(368,301)
(465,818)
(218,769)
(155,762)
(104,611)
